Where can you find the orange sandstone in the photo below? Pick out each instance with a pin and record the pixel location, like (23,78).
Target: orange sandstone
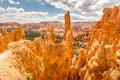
(7,37)
(58,56)
(38,59)
(102,51)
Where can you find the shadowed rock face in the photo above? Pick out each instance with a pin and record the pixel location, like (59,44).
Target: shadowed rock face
(38,59)
(100,60)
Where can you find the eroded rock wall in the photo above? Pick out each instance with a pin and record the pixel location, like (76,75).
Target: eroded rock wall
(100,59)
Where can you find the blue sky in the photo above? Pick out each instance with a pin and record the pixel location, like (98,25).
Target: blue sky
(32,5)
(32,11)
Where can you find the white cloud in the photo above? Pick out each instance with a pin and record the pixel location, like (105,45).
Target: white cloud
(91,8)
(14,14)
(2,9)
(87,10)
(13,2)
(58,17)
(82,18)
(82,5)
(74,18)
(20,10)
(11,9)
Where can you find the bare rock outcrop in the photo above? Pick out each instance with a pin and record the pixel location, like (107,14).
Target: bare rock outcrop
(57,56)
(20,63)
(40,59)
(100,59)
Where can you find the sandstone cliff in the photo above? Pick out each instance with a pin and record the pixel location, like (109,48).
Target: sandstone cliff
(100,60)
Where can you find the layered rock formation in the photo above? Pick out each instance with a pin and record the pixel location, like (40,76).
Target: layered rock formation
(7,37)
(40,59)
(100,60)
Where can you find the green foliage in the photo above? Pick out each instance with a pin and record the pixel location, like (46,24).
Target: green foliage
(32,34)
(9,29)
(0,30)
(58,38)
(78,43)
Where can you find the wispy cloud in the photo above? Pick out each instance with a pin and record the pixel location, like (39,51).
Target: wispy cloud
(13,2)
(2,9)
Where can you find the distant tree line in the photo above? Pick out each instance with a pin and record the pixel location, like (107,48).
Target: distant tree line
(8,29)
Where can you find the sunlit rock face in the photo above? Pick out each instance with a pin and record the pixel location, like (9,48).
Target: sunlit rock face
(112,15)
(57,56)
(100,60)
(19,62)
(40,59)
(1,43)
(6,37)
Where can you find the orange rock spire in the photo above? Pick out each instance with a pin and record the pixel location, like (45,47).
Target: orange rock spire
(39,59)
(7,37)
(102,51)
(1,43)
(50,34)
(57,56)
(67,22)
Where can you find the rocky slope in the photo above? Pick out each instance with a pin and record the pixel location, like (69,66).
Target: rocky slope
(38,59)
(101,58)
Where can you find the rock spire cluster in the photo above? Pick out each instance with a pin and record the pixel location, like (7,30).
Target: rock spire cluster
(40,59)
(101,58)
(7,37)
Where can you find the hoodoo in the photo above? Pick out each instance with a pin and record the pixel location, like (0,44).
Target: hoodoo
(38,59)
(100,60)
(7,37)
